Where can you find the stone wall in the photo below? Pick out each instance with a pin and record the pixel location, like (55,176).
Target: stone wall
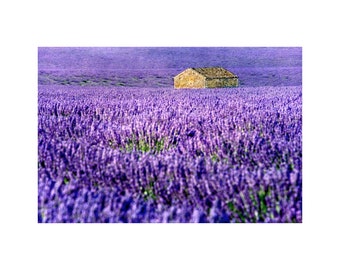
(221,82)
(189,79)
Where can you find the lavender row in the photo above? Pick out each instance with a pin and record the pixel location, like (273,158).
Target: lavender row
(155,67)
(272,76)
(176,156)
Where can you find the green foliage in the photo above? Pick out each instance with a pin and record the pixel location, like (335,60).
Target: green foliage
(149,194)
(152,145)
(231,206)
(258,206)
(143,146)
(66,180)
(159,145)
(277,208)
(214,157)
(148,191)
(236,211)
(263,206)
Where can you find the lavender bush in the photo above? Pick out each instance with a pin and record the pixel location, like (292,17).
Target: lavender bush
(109,153)
(234,156)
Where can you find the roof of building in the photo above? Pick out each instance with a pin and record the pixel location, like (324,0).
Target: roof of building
(215,72)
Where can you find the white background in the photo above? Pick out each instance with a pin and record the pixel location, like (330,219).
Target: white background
(27,25)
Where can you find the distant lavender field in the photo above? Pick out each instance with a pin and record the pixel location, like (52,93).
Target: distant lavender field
(116,142)
(155,67)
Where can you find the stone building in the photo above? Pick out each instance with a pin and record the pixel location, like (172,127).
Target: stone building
(208,77)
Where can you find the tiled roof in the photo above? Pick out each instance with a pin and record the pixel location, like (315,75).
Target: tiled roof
(215,72)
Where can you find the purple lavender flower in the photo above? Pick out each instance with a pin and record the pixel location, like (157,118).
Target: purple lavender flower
(149,153)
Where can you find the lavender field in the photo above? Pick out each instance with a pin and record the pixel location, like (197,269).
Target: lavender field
(117,143)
